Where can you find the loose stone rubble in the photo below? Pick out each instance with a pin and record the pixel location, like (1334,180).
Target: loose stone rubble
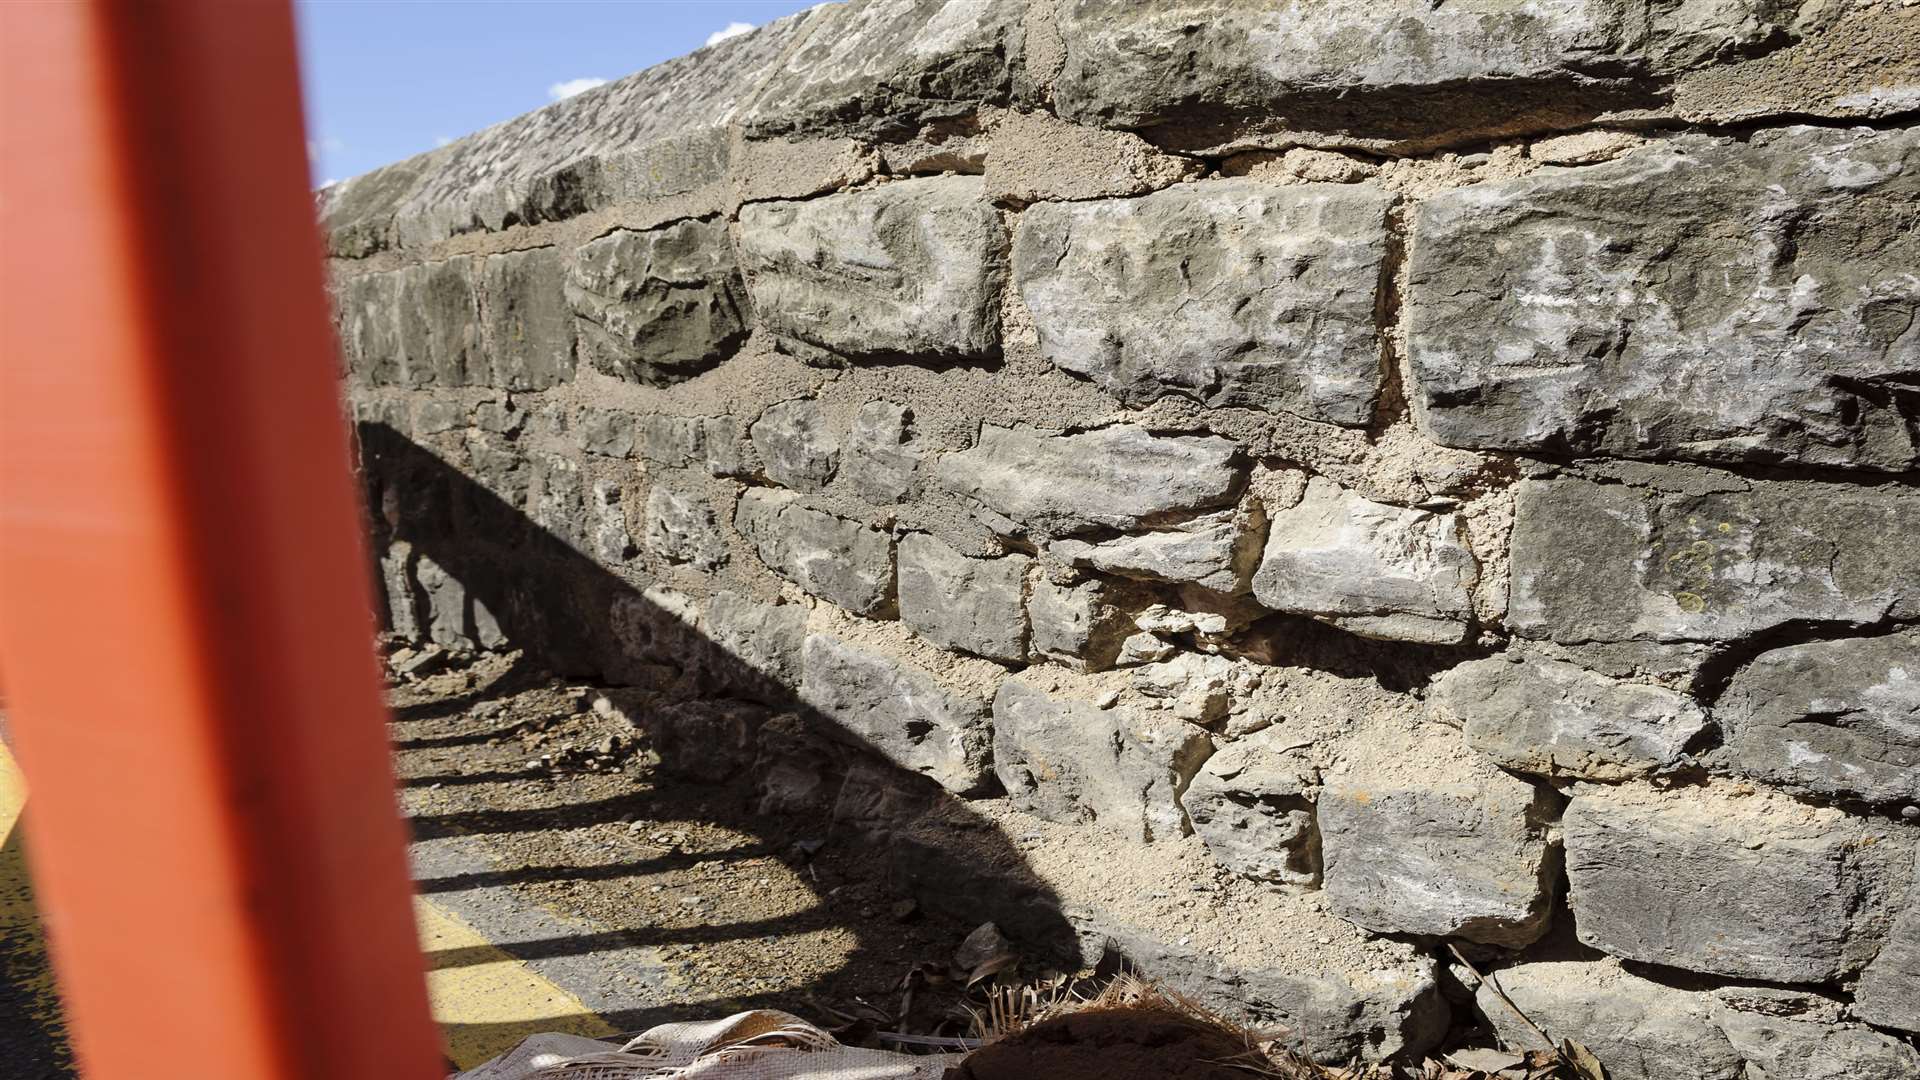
(1415,474)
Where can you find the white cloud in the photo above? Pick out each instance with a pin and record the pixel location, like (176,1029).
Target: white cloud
(561,91)
(731,30)
(325,145)
(443,140)
(329,182)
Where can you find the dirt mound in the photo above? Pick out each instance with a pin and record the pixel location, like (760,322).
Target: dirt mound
(1109,1044)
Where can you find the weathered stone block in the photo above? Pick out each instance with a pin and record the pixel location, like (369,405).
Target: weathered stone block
(1462,852)
(1250,804)
(435,415)
(1839,719)
(1231,293)
(611,540)
(908,270)
(658,306)
(1078,625)
(1389,1011)
(899,710)
(1618,562)
(559,500)
(1641,1029)
(886,67)
(446,602)
(1196,687)
(368,319)
(1702,298)
(673,441)
(1754,886)
(1795,1035)
(882,459)
(607,432)
(1553,718)
(765,637)
(1071,761)
(1119,477)
(1399,74)
(438,326)
(837,560)
(962,603)
(1217,551)
(796,447)
(1888,993)
(681,527)
(529,335)
(404,618)
(1369,568)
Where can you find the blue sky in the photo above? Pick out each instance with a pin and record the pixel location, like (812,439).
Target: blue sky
(387,79)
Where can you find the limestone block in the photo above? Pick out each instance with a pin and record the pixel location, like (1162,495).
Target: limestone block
(673,441)
(404,617)
(611,540)
(962,603)
(1217,551)
(1399,73)
(899,710)
(607,432)
(886,67)
(529,333)
(681,527)
(1553,718)
(797,448)
(882,459)
(765,637)
(1375,570)
(908,270)
(837,560)
(436,415)
(559,501)
(1888,993)
(1793,1035)
(1839,719)
(1413,843)
(1196,687)
(1071,761)
(367,318)
(660,305)
(1700,298)
(1622,562)
(1078,625)
(446,602)
(1641,1029)
(438,326)
(1118,477)
(1251,804)
(1235,292)
(1391,1010)
(1752,886)
(500,467)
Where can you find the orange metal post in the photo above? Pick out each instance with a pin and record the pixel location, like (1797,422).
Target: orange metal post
(184,624)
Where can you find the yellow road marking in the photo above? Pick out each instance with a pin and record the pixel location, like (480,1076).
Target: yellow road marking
(483,1009)
(486,1008)
(27,966)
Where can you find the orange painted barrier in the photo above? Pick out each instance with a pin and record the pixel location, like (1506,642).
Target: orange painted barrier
(184,604)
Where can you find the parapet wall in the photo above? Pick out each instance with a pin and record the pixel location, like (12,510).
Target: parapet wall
(1418,473)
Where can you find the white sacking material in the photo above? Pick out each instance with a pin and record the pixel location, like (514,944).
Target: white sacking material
(765,1044)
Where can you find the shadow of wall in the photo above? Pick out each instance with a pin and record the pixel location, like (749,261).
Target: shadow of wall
(713,717)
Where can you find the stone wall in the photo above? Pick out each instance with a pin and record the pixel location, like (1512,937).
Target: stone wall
(1320,481)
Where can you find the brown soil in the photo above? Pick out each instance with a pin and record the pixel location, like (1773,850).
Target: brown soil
(1110,1044)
